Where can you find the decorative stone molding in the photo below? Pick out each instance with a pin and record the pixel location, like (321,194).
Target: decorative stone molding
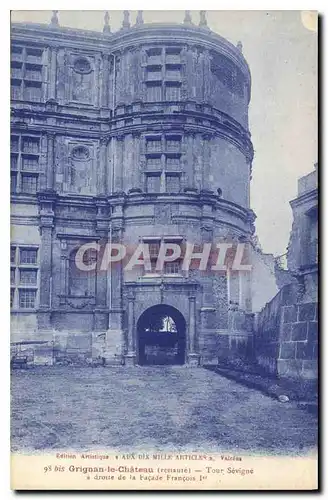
(80,153)
(82,65)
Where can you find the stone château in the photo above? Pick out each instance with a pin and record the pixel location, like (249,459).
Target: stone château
(135,136)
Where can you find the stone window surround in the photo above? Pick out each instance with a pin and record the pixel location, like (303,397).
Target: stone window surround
(20,154)
(17,284)
(163,69)
(78,65)
(27,65)
(90,279)
(163,152)
(158,240)
(69,244)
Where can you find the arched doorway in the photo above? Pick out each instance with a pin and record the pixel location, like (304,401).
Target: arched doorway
(161,333)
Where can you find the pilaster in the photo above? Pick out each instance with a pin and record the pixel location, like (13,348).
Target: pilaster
(53,73)
(47,200)
(101,307)
(193,356)
(118,172)
(50,174)
(102,176)
(130,356)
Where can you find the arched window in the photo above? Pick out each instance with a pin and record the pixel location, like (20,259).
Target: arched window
(82,283)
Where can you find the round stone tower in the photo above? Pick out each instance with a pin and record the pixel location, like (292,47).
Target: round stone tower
(180,160)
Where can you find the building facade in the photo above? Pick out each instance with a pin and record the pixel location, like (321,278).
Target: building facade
(303,245)
(128,137)
(286,329)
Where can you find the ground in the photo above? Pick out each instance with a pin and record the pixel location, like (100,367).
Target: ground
(158,408)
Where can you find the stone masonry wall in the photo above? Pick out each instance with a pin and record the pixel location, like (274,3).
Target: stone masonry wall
(286,339)
(298,345)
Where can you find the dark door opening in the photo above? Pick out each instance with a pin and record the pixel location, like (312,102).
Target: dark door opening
(161,336)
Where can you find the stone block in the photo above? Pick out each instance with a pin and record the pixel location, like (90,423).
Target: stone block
(286,331)
(290,314)
(288,295)
(287,350)
(193,359)
(79,341)
(130,359)
(313,331)
(304,350)
(289,367)
(310,369)
(299,331)
(306,312)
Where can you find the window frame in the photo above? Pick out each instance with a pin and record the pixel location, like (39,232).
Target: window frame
(17,285)
(163,155)
(22,156)
(21,59)
(165,62)
(158,241)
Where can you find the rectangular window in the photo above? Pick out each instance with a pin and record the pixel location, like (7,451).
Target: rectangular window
(16,70)
(172,183)
(154,163)
(154,145)
(172,72)
(25,158)
(154,73)
(34,55)
(173,144)
(12,255)
(16,53)
(31,145)
(172,55)
(13,183)
(15,90)
(28,276)
(172,93)
(172,267)
(32,92)
(29,184)
(154,55)
(33,72)
(28,255)
(27,299)
(154,93)
(14,143)
(153,250)
(173,163)
(23,277)
(30,163)
(26,73)
(13,162)
(153,183)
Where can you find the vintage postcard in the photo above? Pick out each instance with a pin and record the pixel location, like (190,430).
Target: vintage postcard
(164,262)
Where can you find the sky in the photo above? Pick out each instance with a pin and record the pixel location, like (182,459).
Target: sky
(281,50)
